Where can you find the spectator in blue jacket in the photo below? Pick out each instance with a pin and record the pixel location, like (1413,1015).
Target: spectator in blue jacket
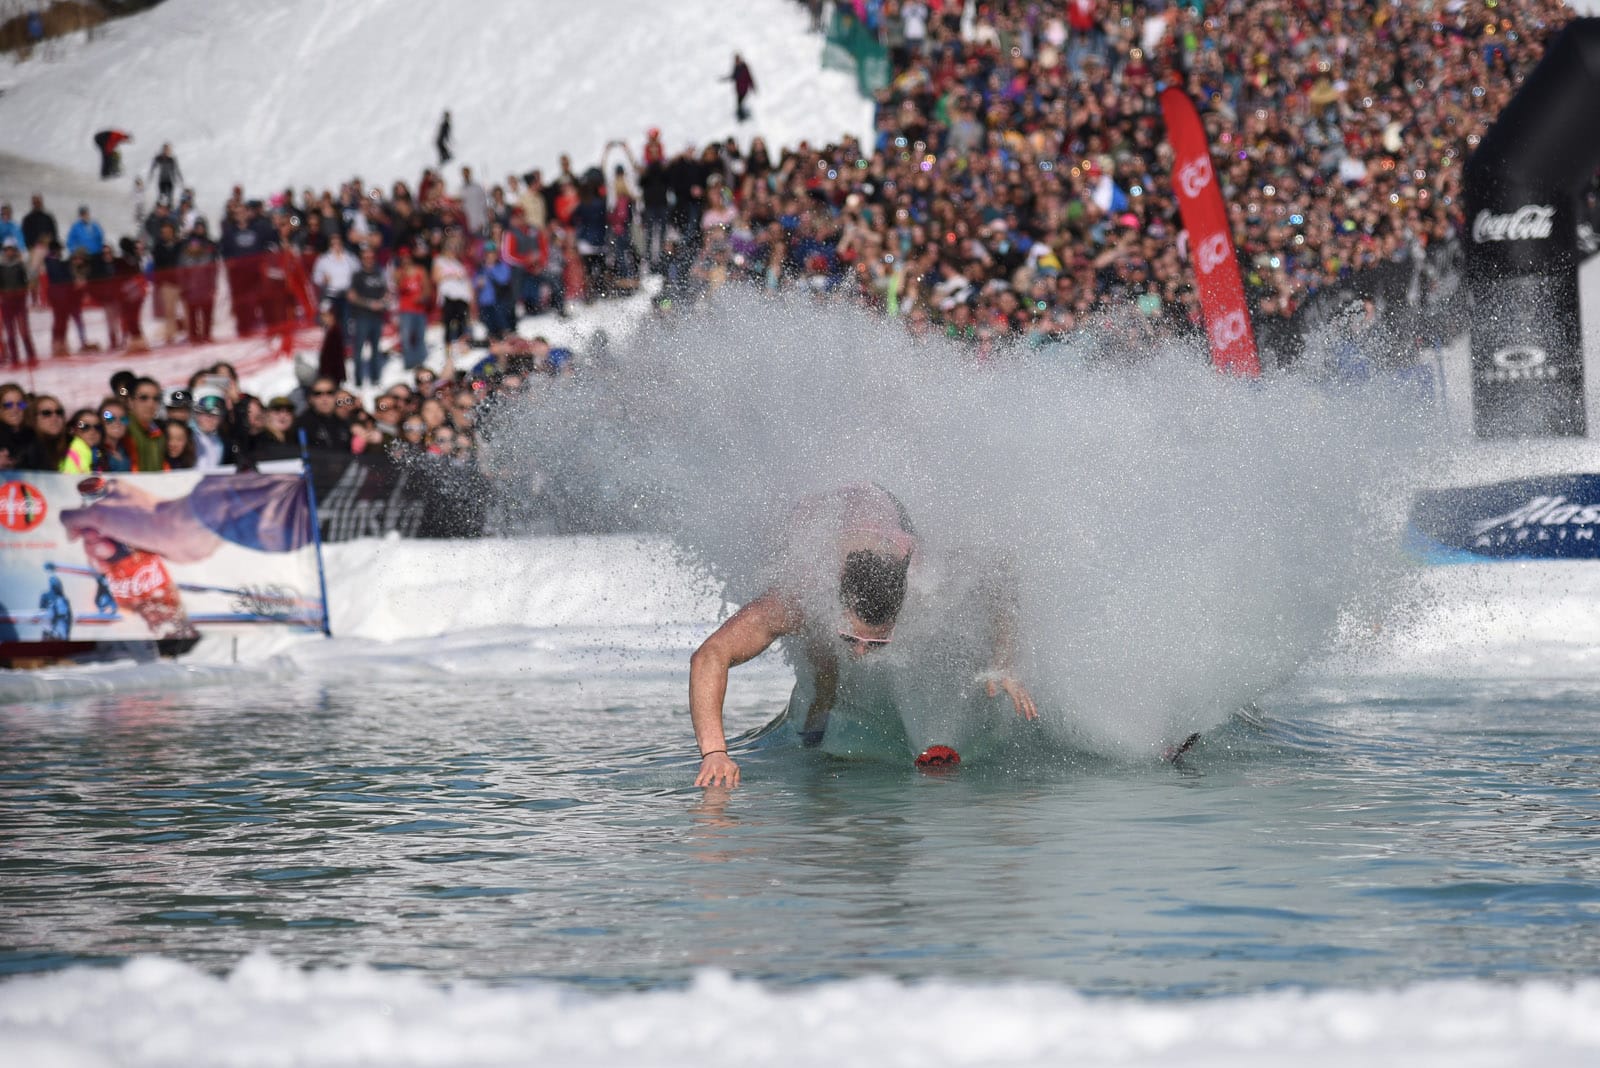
(496,293)
(9,230)
(86,234)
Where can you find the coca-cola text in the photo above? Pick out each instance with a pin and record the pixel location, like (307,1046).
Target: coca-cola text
(1531,222)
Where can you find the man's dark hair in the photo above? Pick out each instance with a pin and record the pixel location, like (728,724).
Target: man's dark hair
(873,587)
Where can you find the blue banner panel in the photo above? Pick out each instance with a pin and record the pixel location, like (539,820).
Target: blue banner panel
(1555,517)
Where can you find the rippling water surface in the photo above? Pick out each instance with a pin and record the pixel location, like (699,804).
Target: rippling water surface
(1361,833)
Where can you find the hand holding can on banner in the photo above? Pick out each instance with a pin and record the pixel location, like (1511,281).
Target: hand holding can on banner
(121,511)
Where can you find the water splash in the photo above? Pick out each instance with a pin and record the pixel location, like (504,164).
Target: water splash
(1182,541)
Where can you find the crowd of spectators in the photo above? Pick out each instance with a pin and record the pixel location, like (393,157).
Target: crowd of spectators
(1017,188)
(433,420)
(1020,180)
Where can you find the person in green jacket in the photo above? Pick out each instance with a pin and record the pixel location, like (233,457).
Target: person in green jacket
(145,437)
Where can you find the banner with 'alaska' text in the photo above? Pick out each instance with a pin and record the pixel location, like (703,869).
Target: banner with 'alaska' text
(155,556)
(1548,518)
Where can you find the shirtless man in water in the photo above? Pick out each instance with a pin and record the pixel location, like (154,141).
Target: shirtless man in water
(869,545)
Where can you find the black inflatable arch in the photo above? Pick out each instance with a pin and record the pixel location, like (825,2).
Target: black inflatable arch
(1522,192)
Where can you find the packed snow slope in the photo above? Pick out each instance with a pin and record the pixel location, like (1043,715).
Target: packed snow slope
(306,92)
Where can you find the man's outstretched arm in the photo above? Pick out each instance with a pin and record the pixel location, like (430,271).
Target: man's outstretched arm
(747,634)
(1002,665)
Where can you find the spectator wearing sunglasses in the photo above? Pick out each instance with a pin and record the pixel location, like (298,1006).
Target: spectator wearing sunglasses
(84,453)
(114,452)
(324,429)
(278,439)
(47,450)
(15,435)
(843,614)
(411,441)
(388,410)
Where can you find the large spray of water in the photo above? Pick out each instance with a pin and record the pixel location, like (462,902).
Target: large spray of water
(1181,541)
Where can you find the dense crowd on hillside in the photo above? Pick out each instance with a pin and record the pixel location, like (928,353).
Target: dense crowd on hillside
(1017,188)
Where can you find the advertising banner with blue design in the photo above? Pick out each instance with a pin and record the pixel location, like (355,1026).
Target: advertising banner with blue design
(1549,518)
(156,556)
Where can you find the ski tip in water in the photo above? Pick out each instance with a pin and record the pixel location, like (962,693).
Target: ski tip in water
(938,756)
(1172,753)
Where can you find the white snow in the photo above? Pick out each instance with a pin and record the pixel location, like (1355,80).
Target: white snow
(310,93)
(155,1013)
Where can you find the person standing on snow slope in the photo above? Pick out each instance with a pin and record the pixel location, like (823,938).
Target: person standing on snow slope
(168,175)
(844,607)
(442,141)
(744,83)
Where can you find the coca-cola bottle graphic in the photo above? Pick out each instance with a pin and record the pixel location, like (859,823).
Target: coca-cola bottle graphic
(139,580)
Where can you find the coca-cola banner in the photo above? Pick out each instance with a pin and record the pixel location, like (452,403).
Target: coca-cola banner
(155,557)
(1216,265)
(1549,518)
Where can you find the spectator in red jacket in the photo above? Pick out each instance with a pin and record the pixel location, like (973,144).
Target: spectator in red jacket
(413,297)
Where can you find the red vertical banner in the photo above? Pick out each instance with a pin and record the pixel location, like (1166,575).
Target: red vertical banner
(1216,265)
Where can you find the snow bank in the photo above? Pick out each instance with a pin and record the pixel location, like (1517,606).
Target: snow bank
(154,1013)
(545,608)
(560,608)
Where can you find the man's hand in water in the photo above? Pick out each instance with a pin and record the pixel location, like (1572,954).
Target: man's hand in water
(1016,691)
(717,769)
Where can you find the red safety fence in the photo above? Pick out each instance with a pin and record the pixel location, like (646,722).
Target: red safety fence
(269,295)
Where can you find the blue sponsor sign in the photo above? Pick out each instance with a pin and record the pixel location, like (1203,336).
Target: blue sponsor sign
(1550,518)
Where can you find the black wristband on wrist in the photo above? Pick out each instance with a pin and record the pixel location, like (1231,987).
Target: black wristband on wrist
(714,752)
